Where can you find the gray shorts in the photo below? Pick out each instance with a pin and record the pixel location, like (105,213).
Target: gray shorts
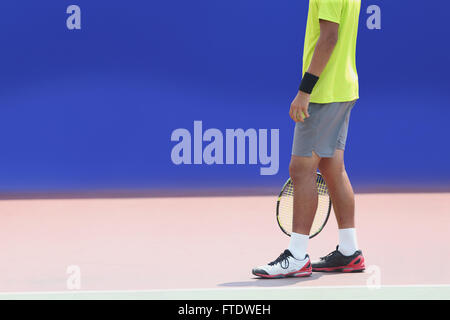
(324,131)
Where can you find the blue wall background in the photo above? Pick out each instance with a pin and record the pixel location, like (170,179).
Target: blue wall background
(94,109)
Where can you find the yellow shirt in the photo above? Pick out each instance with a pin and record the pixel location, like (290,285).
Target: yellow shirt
(339,80)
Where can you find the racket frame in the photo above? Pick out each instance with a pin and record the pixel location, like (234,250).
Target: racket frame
(278,207)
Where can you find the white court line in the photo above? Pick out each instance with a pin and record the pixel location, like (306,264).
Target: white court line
(412,286)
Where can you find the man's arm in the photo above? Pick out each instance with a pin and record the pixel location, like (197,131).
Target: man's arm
(324,47)
(322,53)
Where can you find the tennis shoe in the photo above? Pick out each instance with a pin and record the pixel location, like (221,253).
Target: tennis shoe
(337,262)
(285,266)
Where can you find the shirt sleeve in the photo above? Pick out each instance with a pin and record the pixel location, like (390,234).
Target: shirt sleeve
(330,10)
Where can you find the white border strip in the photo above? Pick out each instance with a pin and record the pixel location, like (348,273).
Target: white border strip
(216,289)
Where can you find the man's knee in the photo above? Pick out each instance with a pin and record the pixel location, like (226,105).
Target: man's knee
(331,168)
(300,169)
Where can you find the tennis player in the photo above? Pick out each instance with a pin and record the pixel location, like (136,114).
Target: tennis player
(321,110)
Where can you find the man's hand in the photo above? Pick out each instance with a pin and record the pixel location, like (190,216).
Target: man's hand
(299,107)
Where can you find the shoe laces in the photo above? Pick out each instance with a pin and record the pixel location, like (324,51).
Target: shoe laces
(284,256)
(329,255)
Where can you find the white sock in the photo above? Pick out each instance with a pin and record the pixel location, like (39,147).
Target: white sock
(347,241)
(298,245)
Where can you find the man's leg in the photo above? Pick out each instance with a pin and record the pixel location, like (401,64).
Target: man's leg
(342,196)
(340,188)
(303,175)
(347,257)
(294,262)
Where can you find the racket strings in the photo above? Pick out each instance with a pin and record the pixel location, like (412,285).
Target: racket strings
(286,207)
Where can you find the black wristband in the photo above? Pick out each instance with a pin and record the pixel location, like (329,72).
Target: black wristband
(308,82)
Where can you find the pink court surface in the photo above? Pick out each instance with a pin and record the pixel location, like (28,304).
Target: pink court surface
(205,247)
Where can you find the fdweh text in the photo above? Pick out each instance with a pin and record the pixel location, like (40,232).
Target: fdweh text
(234,146)
(226,309)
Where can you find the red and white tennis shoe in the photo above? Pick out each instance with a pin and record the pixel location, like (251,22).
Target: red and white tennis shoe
(285,266)
(337,262)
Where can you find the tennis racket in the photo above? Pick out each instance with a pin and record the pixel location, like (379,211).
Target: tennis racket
(285,207)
